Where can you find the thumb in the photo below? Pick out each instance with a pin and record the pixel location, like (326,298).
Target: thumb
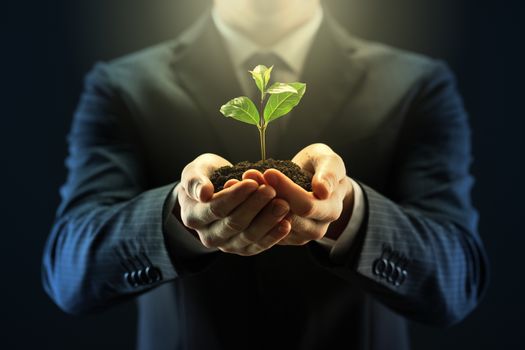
(195,176)
(328,171)
(199,188)
(196,184)
(323,184)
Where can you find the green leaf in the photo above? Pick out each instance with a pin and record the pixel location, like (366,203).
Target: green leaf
(282,103)
(261,74)
(267,75)
(279,88)
(241,109)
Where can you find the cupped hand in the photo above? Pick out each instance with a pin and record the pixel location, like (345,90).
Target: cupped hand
(244,218)
(311,213)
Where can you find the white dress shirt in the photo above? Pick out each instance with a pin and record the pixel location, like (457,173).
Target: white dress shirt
(292,49)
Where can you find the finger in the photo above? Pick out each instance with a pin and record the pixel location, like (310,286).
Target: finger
(326,166)
(293,239)
(307,229)
(197,186)
(301,202)
(305,157)
(270,216)
(328,172)
(195,176)
(254,175)
(230,183)
(205,191)
(222,203)
(273,237)
(241,217)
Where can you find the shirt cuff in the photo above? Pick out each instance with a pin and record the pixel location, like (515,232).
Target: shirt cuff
(340,247)
(182,243)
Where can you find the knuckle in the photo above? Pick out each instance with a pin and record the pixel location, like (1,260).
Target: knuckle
(238,251)
(252,250)
(216,212)
(331,217)
(206,242)
(271,238)
(233,225)
(229,250)
(190,221)
(245,239)
(307,210)
(210,241)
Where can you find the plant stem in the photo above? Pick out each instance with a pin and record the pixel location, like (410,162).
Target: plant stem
(262,136)
(262,129)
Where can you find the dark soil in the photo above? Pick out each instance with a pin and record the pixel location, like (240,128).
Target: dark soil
(287,167)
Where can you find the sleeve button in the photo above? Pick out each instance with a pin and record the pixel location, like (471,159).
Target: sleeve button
(153,274)
(142,277)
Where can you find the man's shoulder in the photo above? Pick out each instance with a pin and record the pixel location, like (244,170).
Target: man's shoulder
(392,71)
(153,61)
(384,59)
(378,54)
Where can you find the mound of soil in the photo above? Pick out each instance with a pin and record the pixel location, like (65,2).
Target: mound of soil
(287,167)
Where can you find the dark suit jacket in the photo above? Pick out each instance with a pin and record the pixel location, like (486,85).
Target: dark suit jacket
(394,117)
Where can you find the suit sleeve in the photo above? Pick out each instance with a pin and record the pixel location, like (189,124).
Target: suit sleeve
(108,241)
(418,250)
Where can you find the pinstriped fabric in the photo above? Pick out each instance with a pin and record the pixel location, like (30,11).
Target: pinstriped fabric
(424,219)
(108,222)
(437,267)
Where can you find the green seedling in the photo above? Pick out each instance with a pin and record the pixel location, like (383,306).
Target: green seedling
(282,99)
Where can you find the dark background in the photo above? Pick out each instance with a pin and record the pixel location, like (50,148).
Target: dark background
(47,47)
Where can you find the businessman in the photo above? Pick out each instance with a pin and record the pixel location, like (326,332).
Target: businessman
(387,234)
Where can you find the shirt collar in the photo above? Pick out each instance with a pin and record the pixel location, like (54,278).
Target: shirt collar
(292,48)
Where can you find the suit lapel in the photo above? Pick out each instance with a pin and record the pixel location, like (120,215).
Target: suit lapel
(205,71)
(330,76)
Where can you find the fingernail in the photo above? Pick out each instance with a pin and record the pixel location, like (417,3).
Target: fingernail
(279,210)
